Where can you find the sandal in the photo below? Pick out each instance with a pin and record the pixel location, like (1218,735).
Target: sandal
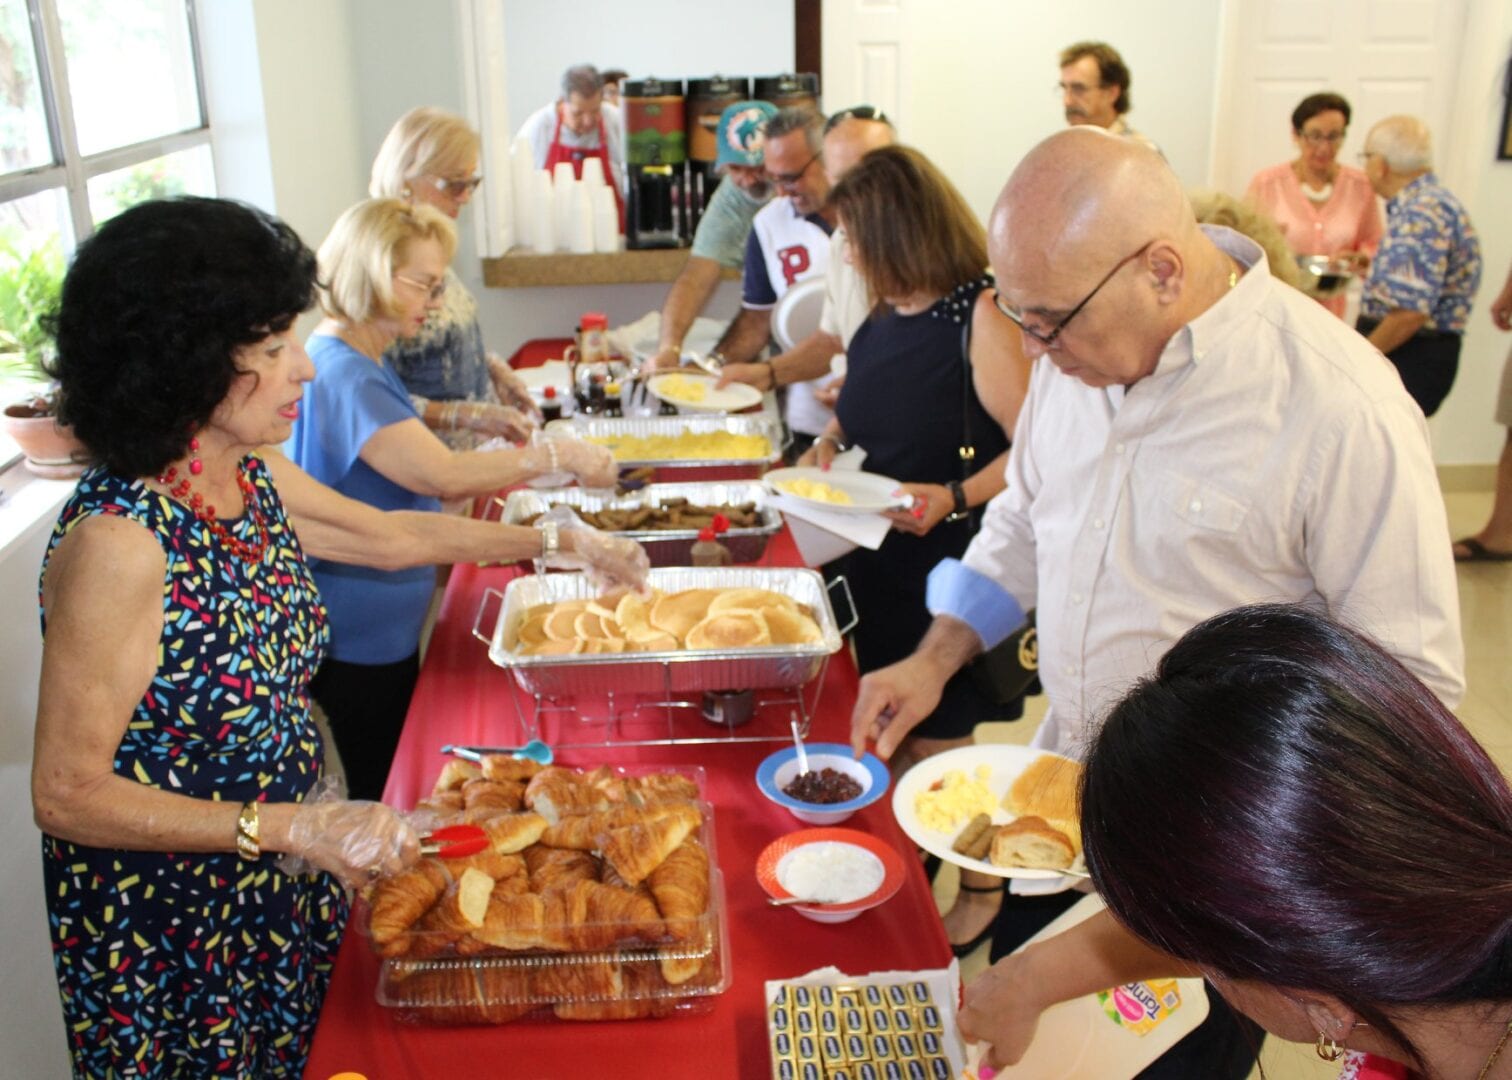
(966,948)
(1479,552)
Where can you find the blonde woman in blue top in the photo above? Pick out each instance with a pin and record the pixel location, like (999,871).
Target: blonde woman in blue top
(382,271)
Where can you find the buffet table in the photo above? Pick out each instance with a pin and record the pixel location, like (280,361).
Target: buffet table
(463,698)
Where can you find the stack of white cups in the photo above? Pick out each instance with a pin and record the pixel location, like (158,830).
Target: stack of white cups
(582,220)
(523,189)
(564,185)
(606,230)
(543,206)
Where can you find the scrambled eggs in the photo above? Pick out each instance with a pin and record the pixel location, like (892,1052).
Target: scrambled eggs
(714,446)
(816,490)
(955,798)
(682,388)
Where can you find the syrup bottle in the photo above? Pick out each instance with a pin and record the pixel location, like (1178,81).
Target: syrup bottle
(707,550)
(551,407)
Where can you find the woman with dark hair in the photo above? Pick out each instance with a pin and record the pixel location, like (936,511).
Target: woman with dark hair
(1324,208)
(1328,845)
(174,744)
(936,368)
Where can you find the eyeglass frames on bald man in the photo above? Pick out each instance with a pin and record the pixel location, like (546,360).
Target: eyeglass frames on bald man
(1048,340)
(434,290)
(789,179)
(858,112)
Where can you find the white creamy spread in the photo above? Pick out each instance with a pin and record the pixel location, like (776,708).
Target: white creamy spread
(830,872)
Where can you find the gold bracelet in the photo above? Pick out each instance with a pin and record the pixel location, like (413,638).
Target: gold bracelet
(248,832)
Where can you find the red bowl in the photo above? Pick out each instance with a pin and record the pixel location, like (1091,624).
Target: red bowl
(893,871)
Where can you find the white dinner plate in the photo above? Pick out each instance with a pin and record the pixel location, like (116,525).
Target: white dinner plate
(730,398)
(1005,763)
(870,493)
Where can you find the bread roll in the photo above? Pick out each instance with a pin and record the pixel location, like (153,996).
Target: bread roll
(1031,843)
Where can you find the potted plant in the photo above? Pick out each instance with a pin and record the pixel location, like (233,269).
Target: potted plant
(30,283)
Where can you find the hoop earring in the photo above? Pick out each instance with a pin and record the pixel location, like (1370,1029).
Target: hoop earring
(1327,1049)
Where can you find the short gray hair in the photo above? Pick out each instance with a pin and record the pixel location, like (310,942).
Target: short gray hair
(582,79)
(1404,142)
(804,118)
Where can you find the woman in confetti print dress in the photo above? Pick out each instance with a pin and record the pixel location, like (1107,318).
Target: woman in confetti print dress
(174,742)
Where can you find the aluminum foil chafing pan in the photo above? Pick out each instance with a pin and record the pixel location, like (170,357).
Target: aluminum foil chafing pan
(675,671)
(596,427)
(666,547)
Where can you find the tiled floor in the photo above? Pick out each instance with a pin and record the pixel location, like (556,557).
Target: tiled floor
(1486,610)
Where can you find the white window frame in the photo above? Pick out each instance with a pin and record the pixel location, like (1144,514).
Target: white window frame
(69,169)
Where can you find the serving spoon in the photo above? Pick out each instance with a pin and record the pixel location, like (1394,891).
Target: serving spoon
(803,764)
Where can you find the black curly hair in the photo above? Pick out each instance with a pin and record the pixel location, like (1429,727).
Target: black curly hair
(153,310)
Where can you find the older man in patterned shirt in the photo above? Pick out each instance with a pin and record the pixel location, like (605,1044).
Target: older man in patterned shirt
(1417,298)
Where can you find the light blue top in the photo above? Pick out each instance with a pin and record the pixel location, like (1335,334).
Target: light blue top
(375,615)
(957,590)
(726,222)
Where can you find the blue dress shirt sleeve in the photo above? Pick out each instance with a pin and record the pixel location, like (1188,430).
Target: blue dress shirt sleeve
(957,590)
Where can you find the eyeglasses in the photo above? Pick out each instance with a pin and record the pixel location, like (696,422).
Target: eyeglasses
(789,179)
(1048,340)
(1075,89)
(433,290)
(456,187)
(859,112)
(1318,138)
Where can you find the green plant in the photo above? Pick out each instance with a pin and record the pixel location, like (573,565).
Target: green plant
(30,284)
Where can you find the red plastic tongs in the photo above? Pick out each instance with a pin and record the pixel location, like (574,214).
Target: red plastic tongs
(454,841)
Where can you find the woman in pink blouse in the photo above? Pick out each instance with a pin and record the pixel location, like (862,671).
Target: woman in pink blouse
(1324,208)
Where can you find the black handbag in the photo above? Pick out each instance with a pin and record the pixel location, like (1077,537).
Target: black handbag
(1009,670)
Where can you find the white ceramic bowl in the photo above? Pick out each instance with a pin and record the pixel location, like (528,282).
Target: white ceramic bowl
(780,769)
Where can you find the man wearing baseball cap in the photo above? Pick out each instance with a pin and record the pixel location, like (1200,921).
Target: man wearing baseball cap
(720,240)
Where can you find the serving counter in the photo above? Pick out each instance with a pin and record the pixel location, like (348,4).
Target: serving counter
(463,698)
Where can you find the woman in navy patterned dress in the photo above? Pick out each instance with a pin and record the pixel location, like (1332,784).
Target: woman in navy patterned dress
(174,744)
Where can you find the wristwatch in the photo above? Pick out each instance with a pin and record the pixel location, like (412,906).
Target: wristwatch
(958,496)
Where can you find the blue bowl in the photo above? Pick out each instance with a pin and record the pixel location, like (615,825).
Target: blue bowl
(779,770)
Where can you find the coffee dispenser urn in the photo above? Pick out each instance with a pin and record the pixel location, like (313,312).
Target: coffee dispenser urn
(656,153)
(789,91)
(707,99)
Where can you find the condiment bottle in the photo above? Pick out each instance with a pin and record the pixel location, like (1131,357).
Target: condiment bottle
(613,405)
(551,407)
(593,339)
(707,550)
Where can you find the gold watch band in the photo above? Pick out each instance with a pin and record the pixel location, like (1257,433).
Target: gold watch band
(249,832)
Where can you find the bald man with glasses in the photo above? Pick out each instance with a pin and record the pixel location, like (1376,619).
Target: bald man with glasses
(1197,436)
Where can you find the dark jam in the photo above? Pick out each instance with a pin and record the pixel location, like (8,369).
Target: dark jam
(823,786)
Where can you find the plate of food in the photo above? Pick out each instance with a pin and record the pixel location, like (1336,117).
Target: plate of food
(1004,810)
(839,491)
(698,393)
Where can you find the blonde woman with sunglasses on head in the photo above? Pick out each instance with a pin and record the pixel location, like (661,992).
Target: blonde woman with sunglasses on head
(463,392)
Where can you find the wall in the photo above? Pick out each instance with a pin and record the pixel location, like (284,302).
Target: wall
(1464,431)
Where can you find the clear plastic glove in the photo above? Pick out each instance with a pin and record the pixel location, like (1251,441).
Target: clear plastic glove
(593,465)
(510,388)
(667,358)
(356,841)
(611,562)
(489,419)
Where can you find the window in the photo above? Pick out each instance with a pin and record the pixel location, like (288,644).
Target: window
(101,107)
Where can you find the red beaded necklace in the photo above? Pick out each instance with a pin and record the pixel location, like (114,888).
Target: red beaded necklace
(248,551)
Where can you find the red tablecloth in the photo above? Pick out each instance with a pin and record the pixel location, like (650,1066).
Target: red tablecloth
(463,698)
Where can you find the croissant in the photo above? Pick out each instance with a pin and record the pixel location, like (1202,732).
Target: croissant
(614,787)
(636,850)
(505,991)
(505,768)
(681,888)
(454,774)
(466,994)
(552,868)
(555,791)
(509,833)
(662,787)
(460,910)
(513,921)
(444,803)
(499,867)
(614,915)
(580,831)
(400,901)
(491,793)
(677,970)
(644,994)
(596,980)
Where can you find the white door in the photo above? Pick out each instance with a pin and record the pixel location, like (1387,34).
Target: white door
(1384,56)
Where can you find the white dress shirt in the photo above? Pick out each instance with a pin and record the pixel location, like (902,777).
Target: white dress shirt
(847,302)
(1272,455)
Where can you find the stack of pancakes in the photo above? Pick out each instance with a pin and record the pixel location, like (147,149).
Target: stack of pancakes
(733,618)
